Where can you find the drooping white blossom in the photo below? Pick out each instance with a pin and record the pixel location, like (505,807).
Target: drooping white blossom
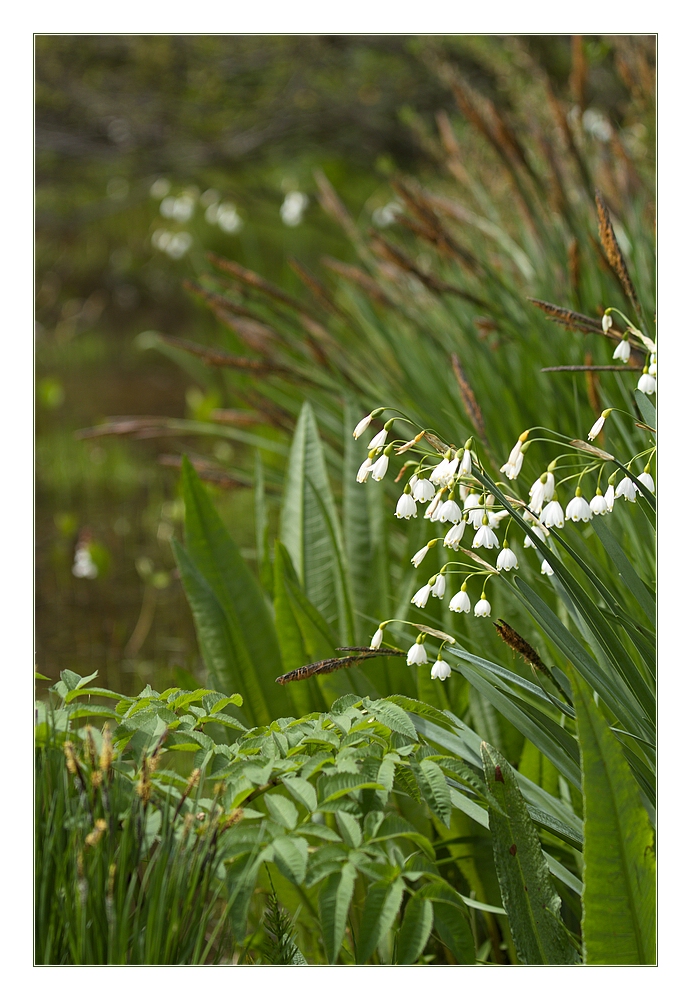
(622,351)
(483,608)
(377,638)
(598,504)
(472,500)
(453,536)
(541,491)
(507,559)
(475,516)
(627,489)
(419,599)
(439,586)
(578,508)
(406,506)
(610,498)
(441,670)
(460,601)
(647,383)
(450,511)
(417,654)
(419,556)
(647,480)
(379,468)
(553,515)
(485,538)
(379,439)
(364,470)
(512,466)
(362,426)
(423,490)
(466,468)
(606,322)
(546,568)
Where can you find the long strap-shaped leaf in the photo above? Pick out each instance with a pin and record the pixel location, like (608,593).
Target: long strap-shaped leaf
(530,900)
(619,874)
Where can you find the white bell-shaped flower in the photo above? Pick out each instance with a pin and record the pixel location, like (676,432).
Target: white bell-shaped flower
(380,466)
(483,608)
(546,568)
(606,322)
(627,489)
(472,500)
(417,653)
(439,586)
(507,559)
(622,351)
(485,538)
(475,516)
(466,468)
(419,556)
(553,515)
(377,638)
(647,480)
(379,439)
(406,506)
(364,470)
(610,498)
(362,426)
(541,491)
(453,536)
(598,504)
(441,670)
(647,383)
(419,599)
(450,511)
(423,490)
(578,508)
(460,601)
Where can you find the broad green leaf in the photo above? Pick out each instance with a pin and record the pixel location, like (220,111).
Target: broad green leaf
(381,907)
(255,651)
(290,857)
(391,715)
(415,929)
(434,788)
(334,901)
(282,810)
(619,875)
(451,921)
(527,892)
(302,791)
(350,829)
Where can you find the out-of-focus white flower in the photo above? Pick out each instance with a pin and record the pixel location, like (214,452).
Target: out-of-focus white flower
(578,508)
(420,598)
(453,536)
(553,515)
(483,608)
(439,586)
(364,470)
(541,491)
(622,352)
(417,653)
(610,498)
(496,517)
(377,638)
(84,567)
(423,490)
(606,322)
(627,489)
(652,367)
(362,426)
(466,468)
(647,480)
(379,439)
(406,506)
(598,504)
(485,538)
(507,559)
(475,516)
(450,511)
(460,601)
(380,466)
(419,556)
(441,670)
(472,500)
(293,208)
(647,383)
(546,568)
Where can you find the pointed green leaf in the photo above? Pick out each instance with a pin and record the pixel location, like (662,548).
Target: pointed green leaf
(415,930)
(619,876)
(334,901)
(290,857)
(381,908)
(435,790)
(530,900)
(281,810)
(451,921)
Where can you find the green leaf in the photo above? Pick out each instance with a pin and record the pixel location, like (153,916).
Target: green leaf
(290,857)
(382,904)
(255,652)
(451,921)
(309,524)
(393,716)
(435,790)
(648,411)
(302,791)
(527,892)
(335,786)
(282,810)
(415,929)
(349,828)
(334,901)
(619,894)
(629,575)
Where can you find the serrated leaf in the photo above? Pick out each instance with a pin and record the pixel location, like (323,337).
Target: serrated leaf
(435,790)
(393,716)
(415,930)
(529,897)
(281,810)
(302,791)
(349,828)
(334,901)
(382,904)
(335,786)
(619,874)
(290,857)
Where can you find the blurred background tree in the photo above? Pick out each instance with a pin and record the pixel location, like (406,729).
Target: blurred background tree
(152,151)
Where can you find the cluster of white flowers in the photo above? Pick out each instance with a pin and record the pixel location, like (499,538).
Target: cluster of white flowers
(452,491)
(647,383)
